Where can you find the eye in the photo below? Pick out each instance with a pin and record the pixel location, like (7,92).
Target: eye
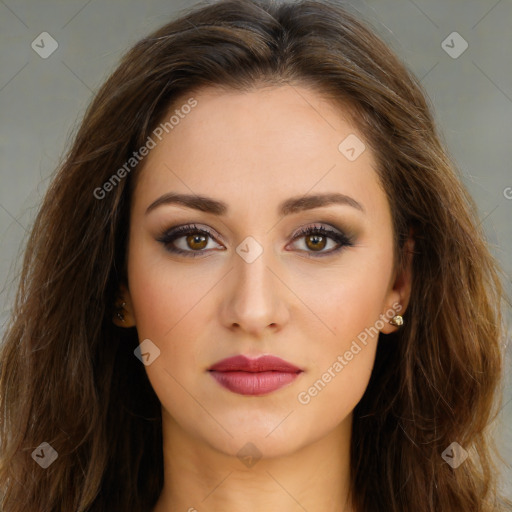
(192,241)
(316,239)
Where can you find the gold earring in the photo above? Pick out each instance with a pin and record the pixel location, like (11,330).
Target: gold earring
(397,320)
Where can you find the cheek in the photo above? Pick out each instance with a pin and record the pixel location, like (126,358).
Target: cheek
(173,308)
(163,292)
(343,358)
(351,297)
(168,303)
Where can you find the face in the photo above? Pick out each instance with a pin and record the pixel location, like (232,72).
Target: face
(260,268)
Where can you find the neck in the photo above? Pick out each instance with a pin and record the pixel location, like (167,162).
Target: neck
(199,477)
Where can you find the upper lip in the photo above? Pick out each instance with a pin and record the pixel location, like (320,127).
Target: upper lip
(260,364)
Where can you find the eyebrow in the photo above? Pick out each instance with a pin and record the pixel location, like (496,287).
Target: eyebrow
(287,207)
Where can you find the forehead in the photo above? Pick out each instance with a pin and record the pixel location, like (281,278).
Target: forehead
(269,143)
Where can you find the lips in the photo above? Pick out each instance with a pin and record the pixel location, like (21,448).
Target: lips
(255,377)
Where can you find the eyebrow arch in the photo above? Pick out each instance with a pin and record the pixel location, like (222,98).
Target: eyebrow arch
(287,207)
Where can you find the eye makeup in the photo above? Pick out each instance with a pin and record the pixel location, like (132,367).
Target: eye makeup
(319,234)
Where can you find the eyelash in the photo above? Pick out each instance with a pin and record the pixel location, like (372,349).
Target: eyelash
(174,234)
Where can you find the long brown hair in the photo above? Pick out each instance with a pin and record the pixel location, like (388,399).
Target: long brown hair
(69,376)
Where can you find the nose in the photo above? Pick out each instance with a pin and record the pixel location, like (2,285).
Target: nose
(255,298)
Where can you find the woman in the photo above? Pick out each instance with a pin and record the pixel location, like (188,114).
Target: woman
(256,283)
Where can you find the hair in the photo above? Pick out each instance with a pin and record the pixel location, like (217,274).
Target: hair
(68,374)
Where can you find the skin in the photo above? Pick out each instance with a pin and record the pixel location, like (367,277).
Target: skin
(253,150)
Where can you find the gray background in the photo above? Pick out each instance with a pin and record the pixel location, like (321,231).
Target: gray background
(42,101)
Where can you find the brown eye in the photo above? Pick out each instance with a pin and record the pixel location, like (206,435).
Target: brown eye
(196,242)
(316,242)
(192,241)
(187,240)
(317,238)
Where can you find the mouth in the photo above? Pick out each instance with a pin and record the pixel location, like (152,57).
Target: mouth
(254,377)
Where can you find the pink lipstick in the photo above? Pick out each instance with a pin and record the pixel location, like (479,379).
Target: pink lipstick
(255,377)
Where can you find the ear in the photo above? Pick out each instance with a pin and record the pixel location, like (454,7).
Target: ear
(123,310)
(399,295)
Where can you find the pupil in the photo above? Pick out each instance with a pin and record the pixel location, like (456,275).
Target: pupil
(315,239)
(197,239)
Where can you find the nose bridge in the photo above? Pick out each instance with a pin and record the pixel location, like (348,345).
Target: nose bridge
(253,278)
(254,301)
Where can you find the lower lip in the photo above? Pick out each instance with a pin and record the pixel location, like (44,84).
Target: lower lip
(257,383)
